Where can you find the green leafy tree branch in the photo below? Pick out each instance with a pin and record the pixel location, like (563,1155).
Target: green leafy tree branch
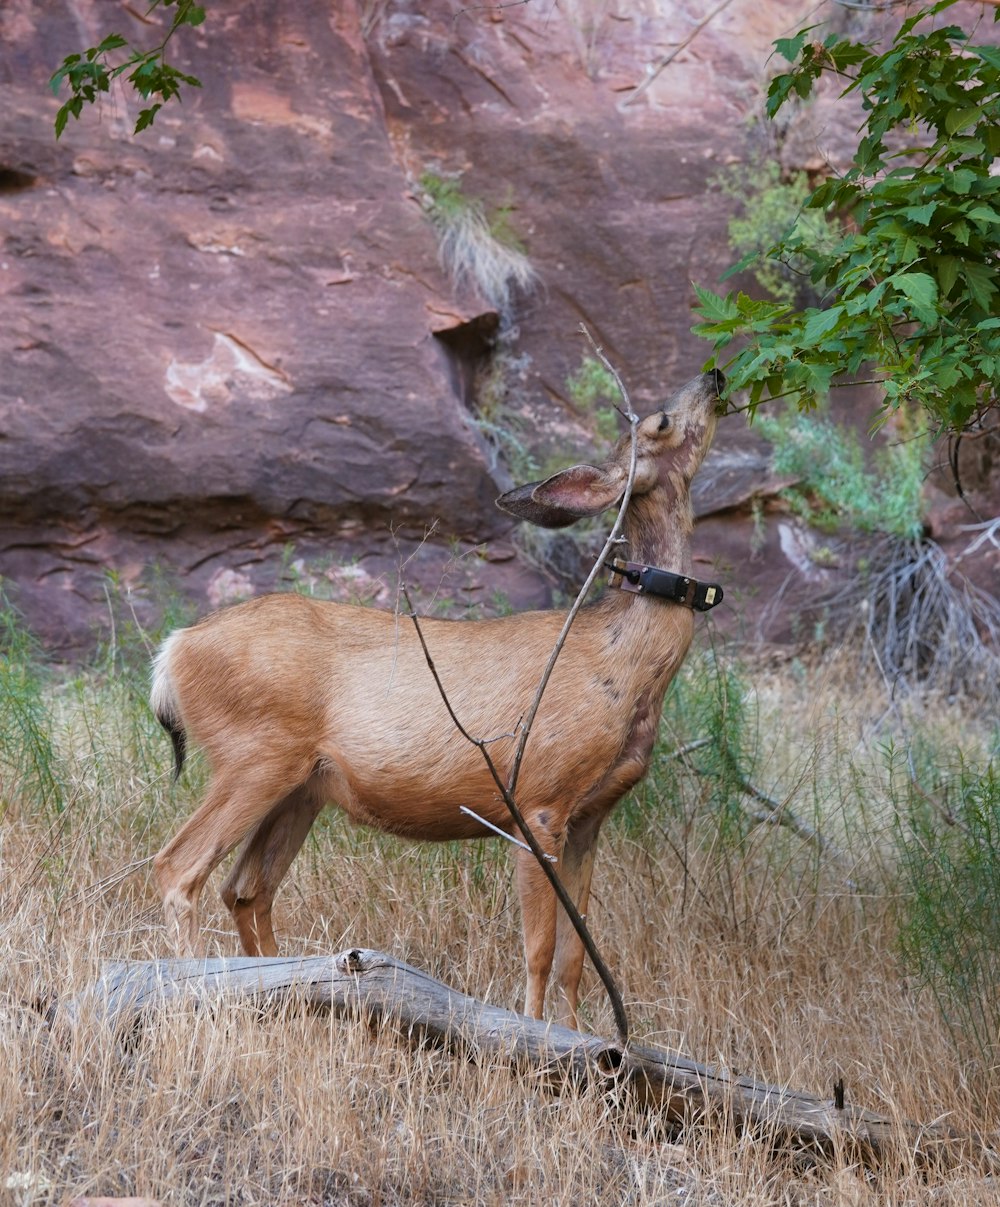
(909,290)
(91,72)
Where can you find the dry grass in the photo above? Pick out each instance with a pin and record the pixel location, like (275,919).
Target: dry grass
(753,953)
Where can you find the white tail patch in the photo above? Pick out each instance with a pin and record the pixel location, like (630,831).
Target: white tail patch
(162,698)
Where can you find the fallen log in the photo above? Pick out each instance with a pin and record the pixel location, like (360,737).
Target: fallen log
(386,990)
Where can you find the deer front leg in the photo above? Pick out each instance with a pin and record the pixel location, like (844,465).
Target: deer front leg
(538,910)
(538,922)
(575,872)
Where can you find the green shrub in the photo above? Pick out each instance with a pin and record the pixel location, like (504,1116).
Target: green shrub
(29,773)
(838,486)
(908,294)
(949,847)
(594,392)
(705,753)
(771,213)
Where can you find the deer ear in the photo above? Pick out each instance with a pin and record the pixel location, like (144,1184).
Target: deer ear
(572,494)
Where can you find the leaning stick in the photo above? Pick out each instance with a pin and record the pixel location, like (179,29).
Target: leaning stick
(507,790)
(532,843)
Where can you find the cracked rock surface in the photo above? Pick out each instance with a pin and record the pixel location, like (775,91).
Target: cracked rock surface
(228,348)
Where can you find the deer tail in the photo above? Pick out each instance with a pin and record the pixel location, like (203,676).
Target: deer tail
(163,700)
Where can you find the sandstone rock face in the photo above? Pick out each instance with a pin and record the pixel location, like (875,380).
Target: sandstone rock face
(228,347)
(218,340)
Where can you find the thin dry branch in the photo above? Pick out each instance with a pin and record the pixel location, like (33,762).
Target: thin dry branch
(507,790)
(653,71)
(596,569)
(777,812)
(387,991)
(533,845)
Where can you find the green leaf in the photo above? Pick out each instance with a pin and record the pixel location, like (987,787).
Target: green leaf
(111,42)
(714,307)
(921,292)
(778,92)
(920,213)
(958,119)
(962,180)
(820,323)
(741,265)
(990,55)
(948,268)
(146,117)
(981,282)
(789,48)
(61,119)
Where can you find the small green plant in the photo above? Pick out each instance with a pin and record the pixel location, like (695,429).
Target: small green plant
(705,754)
(128,643)
(29,772)
(477,247)
(772,211)
(594,391)
(950,925)
(507,431)
(837,487)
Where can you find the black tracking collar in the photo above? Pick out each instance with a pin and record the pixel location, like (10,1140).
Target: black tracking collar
(664,584)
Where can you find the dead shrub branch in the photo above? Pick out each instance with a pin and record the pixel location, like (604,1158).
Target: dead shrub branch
(507,789)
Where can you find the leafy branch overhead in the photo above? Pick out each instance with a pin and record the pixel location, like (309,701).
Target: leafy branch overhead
(89,74)
(909,290)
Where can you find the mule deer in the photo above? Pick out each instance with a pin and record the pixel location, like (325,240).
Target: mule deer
(298,702)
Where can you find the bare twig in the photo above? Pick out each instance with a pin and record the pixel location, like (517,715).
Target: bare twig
(777,812)
(989,530)
(653,71)
(686,749)
(507,789)
(567,902)
(500,833)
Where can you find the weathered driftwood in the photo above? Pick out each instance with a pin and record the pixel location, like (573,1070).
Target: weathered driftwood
(381,988)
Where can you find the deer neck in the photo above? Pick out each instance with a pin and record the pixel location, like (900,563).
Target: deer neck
(658,529)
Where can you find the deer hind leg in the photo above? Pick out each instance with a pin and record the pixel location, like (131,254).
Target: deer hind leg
(577,867)
(236,801)
(261,866)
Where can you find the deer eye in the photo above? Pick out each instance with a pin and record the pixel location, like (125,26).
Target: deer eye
(664,422)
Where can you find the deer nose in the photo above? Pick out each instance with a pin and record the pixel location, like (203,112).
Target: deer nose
(718,379)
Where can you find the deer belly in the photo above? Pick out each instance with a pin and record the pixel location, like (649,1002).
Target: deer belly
(425,807)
